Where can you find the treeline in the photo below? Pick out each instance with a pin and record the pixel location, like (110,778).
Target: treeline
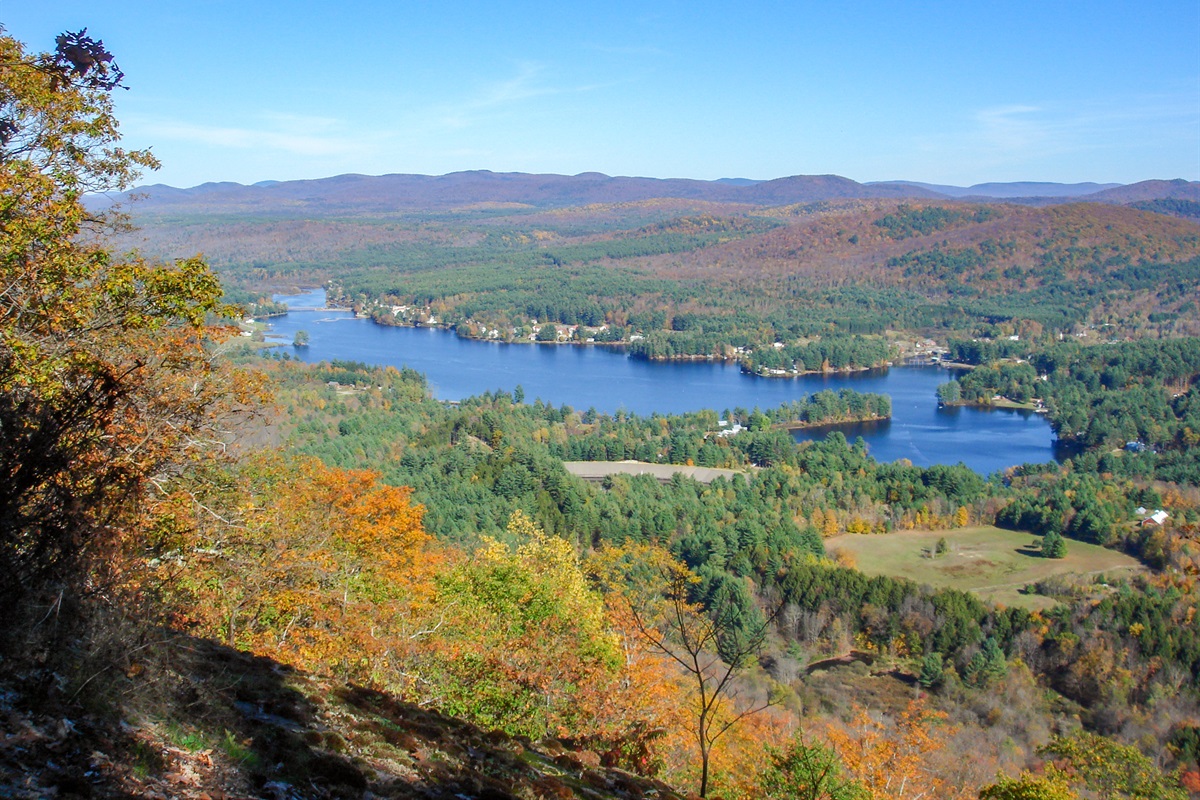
(498,273)
(255,304)
(1141,393)
(830,353)
(1130,391)
(845,405)
(893,614)
(1079,505)
(508,455)
(1008,380)
(1174,206)
(701,439)
(983,351)
(778,275)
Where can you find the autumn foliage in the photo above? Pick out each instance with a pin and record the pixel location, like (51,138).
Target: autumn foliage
(331,571)
(892,759)
(324,568)
(109,388)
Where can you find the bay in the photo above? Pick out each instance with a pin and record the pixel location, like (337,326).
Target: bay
(606,379)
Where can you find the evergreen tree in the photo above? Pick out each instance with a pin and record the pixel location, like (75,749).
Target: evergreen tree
(1053,545)
(932,671)
(949,393)
(987,665)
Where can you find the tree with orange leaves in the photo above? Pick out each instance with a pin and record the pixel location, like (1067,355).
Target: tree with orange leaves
(892,761)
(324,568)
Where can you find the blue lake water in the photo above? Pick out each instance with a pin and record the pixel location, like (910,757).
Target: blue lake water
(606,379)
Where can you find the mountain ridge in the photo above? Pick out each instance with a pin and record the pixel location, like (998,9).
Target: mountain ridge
(357,193)
(1011,189)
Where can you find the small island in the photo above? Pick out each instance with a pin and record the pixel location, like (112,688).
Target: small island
(827,407)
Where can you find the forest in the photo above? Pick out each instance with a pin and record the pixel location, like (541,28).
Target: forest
(769,527)
(229,573)
(680,279)
(1130,405)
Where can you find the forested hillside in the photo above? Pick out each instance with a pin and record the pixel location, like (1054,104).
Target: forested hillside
(227,573)
(682,278)
(474,465)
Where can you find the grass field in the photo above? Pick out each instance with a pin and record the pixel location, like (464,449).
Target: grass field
(994,563)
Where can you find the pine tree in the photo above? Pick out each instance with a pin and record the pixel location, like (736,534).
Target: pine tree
(1053,545)
(932,671)
(987,665)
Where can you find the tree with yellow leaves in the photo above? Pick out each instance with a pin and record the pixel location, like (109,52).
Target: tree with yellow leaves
(519,632)
(107,384)
(1028,787)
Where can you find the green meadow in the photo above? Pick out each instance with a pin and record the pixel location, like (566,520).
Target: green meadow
(994,563)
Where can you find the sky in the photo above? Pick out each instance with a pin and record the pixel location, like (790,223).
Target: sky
(942,92)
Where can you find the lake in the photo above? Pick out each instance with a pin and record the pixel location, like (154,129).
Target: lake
(607,380)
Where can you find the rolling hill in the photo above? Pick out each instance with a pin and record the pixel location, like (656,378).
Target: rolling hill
(724,256)
(365,194)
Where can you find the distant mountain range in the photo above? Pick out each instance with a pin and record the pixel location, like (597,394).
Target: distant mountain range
(1016,189)
(349,194)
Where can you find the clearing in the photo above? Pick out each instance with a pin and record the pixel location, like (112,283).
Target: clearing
(599,470)
(991,562)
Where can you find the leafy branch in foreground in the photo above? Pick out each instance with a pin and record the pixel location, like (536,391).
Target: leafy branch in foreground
(712,646)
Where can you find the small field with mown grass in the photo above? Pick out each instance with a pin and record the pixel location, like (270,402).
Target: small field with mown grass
(991,562)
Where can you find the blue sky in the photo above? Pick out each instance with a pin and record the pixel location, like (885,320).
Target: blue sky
(944,92)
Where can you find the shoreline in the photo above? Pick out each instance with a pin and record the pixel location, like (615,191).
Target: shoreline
(625,343)
(804,373)
(1009,405)
(622,343)
(799,425)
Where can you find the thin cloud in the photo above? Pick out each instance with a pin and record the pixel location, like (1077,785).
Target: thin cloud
(305,122)
(499,96)
(522,86)
(1011,134)
(1020,140)
(305,139)
(1011,128)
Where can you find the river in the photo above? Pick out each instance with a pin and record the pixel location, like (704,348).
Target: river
(607,380)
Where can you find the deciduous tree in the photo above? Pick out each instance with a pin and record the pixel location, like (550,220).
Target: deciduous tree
(712,646)
(1028,787)
(892,760)
(804,771)
(1108,768)
(324,568)
(107,385)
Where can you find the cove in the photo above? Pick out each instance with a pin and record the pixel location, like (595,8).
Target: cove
(607,380)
